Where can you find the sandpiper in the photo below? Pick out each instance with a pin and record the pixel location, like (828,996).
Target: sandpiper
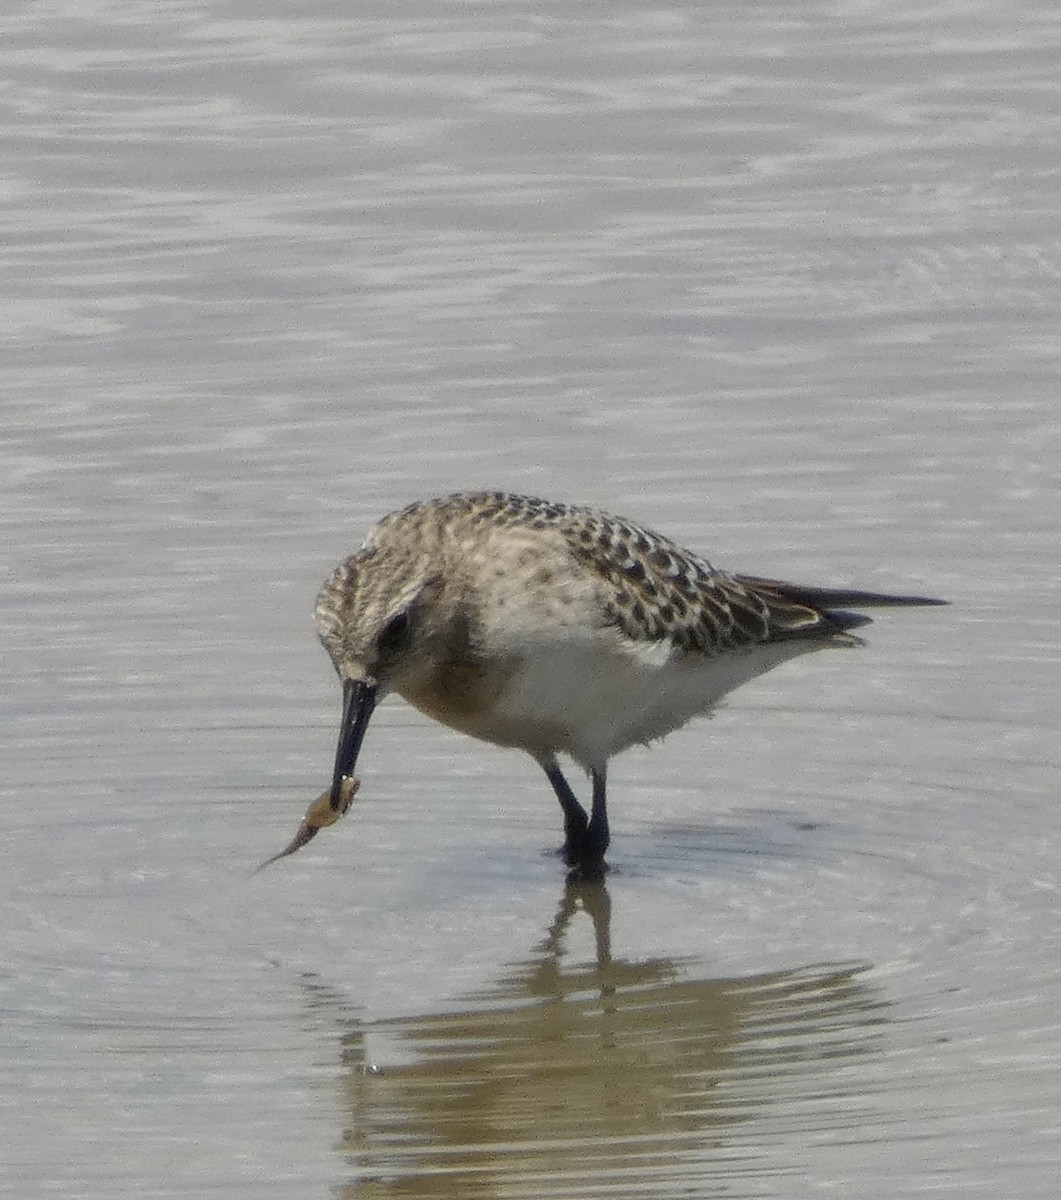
(558,630)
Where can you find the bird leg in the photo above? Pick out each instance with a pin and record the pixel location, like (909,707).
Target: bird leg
(585,839)
(586,857)
(597,835)
(575,819)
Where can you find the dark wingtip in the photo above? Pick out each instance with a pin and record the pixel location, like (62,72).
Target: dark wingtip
(874,599)
(827,599)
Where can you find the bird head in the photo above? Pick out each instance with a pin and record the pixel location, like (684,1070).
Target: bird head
(373,617)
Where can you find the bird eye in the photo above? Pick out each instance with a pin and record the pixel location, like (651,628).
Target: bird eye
(394,633)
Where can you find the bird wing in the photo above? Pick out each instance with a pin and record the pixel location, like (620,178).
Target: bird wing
(652,590)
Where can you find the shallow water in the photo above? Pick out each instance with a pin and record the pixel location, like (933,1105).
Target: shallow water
(782,283)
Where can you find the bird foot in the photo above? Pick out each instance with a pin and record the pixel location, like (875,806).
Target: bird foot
(591,871)
(585,856)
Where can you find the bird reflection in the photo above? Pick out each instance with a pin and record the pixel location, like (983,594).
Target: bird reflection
(572,1077)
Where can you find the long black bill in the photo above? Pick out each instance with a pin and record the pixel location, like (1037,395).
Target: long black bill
(359,699)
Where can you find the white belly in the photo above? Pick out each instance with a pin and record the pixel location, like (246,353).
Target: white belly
(593,697)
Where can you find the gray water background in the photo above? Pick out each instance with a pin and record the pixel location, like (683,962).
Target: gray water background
(782,281)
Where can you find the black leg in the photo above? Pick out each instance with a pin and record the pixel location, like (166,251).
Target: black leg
(585,839)
(575,820)
(587,859)
(597,836)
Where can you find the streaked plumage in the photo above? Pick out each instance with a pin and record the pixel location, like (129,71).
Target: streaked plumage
(558,630)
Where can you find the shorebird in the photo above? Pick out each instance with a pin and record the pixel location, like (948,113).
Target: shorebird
(558,630)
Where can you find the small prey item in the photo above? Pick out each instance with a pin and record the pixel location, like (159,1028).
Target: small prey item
(319,814)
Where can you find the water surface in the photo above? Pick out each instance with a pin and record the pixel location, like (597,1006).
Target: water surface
(780,281)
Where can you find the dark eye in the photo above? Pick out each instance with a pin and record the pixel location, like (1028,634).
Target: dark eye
(393,635)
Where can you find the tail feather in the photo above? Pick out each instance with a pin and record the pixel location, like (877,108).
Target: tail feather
(843,620)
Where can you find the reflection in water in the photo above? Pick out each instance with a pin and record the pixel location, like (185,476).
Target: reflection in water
(619,1077)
